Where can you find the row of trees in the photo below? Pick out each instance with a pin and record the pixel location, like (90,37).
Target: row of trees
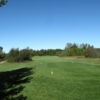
(86,50)
(48,52)
(16,55)
(92,52)
(71,49)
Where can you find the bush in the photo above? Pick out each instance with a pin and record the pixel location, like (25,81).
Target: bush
(2,57)
(13,55)
(25,55)
(92,53)
(19,56)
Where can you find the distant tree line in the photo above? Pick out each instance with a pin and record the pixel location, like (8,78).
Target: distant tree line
(16,55)
(92,53)
(48,52)
(71,49)
(87,50)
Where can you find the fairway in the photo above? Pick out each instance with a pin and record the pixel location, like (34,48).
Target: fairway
(51,78)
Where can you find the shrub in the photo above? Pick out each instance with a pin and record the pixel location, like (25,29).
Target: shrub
(2,56)
(25,55)
(13,55)
(19,56)
(93,53)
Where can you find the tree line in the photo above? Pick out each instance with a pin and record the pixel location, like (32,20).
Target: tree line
(48,52)
(16,55)
(87,50)
(71,49)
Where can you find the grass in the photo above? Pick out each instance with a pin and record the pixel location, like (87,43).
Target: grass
(73,79)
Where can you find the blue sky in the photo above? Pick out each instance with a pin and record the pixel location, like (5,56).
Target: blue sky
(49,24)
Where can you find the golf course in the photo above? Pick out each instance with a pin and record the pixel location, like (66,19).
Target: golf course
(51,78)
(50,50)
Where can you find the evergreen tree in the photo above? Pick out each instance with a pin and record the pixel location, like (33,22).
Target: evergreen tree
(3,2)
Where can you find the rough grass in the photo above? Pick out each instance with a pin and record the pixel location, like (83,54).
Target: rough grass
(73,79)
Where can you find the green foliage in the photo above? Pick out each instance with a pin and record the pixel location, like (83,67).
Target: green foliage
(13,55)
(2,54)
(3,2)
(25,55)
(76,50)
(2,57)
(93,53)
(16,55)
(1,50)
(49,52)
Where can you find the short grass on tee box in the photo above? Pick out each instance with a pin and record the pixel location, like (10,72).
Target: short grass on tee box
(72,79)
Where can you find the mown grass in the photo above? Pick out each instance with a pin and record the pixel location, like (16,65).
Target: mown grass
(73,79)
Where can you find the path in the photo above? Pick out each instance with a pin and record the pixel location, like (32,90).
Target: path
(2,62)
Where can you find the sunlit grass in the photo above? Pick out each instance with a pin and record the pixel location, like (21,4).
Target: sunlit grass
(72,78)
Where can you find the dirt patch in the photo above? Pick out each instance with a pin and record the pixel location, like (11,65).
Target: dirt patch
(2,62)
(80,57)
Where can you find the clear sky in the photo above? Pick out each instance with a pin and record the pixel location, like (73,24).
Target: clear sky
(49,24)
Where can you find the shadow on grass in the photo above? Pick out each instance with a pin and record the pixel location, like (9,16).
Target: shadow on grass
(11,83)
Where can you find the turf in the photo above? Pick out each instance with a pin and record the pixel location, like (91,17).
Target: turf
(72,79)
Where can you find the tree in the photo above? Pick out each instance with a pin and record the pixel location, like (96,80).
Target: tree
(2,56)
(73,49)
(68,45)
(92,53)
(25,55)
(74,46)
(3,2)
(13,55)
(1,50)
(16,55)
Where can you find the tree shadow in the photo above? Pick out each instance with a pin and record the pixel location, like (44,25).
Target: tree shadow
(11,83)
